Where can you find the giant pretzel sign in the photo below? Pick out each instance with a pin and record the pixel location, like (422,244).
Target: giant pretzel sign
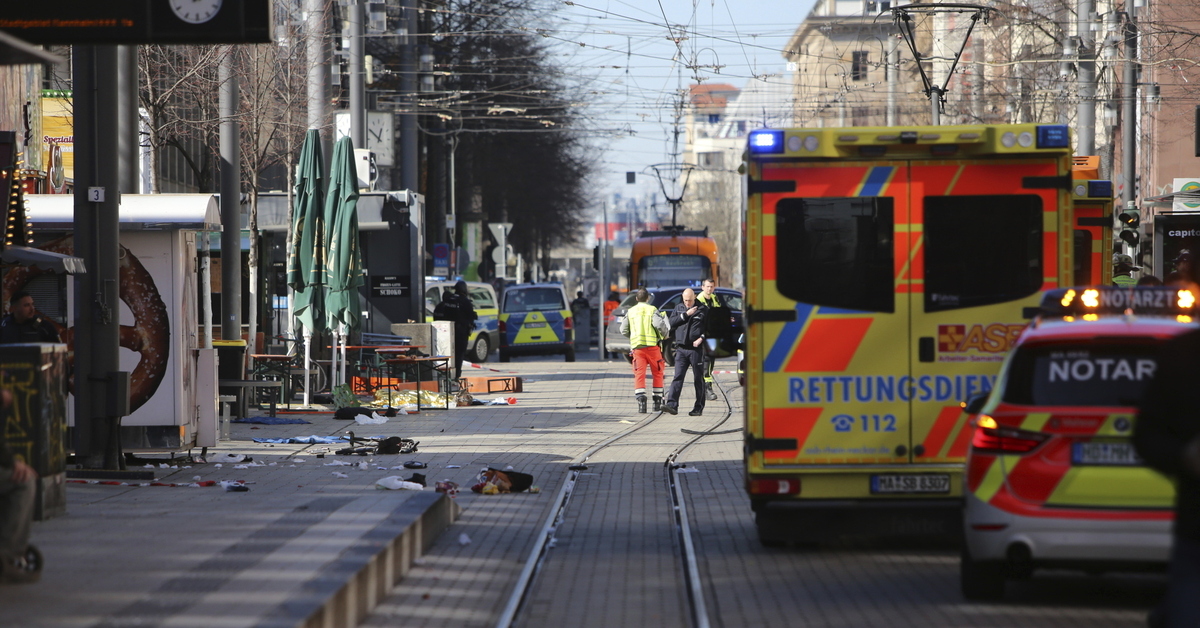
(150,334)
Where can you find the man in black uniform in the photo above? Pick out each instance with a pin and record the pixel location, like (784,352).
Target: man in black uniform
(24,324)
(1167,437)
(687,328)
(456,306)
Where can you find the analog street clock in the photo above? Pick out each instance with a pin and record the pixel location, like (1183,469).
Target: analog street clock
(195,11)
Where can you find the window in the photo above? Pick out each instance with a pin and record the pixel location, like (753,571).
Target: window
(836,252)
(981,250)
(1083,258)
(1095,374)
(858,65)
(713,159)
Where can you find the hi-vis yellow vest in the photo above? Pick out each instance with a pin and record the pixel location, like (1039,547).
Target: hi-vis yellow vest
(641,326)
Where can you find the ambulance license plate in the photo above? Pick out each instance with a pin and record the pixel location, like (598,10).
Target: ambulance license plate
(532,325)
(1111,454)
(926,483)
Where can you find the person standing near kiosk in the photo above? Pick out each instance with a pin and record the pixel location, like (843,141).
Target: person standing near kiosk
(456,307)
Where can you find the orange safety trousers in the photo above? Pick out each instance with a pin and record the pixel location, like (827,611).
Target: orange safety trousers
(652,357)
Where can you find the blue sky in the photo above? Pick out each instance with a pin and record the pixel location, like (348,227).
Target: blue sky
(634,65)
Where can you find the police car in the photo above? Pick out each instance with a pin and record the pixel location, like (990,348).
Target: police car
(1052,479)
(535,318)
(486,335)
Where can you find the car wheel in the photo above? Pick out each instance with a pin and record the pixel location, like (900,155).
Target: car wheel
(570,354)
(981,580)
(481,349)
(503,355)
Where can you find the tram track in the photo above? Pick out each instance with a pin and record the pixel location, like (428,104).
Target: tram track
(545,539)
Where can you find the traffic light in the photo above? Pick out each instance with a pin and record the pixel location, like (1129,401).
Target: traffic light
(1130,219)
(596,257)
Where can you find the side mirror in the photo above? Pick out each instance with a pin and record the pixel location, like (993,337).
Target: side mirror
(975,404)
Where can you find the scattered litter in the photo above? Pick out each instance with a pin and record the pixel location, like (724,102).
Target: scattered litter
(454,466)
(381,468)
(270,420)
(241,466)
(218,465)
(304,440)
(502,401)
(624,421)
(231,458)
(362,465)
(495,482)
(196,478)
(413,464)
(234,486)
(337,463)
(302,459)
(687,470)
(447,487)
(374,419)
(463,539)
(338,474)
(535,489)
(393,482)
(417,478)
(508,468)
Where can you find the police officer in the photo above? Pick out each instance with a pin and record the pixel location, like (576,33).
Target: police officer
(688,325)
(645,326)
(708,296)
(24,324)
(456,306)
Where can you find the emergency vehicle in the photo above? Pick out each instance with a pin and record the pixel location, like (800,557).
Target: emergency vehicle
(672,257)
(886,271)
(1092,206)
(1052,477)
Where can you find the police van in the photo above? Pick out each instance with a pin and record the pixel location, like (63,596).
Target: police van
(1052,478)
(887,269)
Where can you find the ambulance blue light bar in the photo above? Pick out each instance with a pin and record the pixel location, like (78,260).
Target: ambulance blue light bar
(1099,189)
(1053,136)
(1096,301)
(766,142)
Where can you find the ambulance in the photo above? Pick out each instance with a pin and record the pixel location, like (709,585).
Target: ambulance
(887,271)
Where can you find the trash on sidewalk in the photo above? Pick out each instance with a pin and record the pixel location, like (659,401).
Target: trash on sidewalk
(414,464)
(447,487)
(339,474)
(503,401)
(417,478)
(373,419)
(463,539)
(235,486)
(270,420)
(304,440)
(495,482)
(394,482)
(229,458)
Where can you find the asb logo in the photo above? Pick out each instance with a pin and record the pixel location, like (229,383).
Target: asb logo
(991,338)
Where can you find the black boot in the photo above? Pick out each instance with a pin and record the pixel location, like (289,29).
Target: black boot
(658,403)
(641,399)
(712,396)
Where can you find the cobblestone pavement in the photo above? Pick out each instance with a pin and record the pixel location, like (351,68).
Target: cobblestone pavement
(203,557)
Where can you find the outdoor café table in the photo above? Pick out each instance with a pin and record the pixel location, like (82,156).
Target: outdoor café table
(402,365)
(274,366)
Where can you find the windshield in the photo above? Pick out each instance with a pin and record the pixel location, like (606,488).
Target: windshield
(673,270)
(1096,374)
(534,300)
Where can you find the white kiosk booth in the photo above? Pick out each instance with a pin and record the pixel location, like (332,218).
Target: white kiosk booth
(173,381)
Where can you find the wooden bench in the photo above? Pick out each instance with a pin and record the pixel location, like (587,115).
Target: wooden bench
(243,384)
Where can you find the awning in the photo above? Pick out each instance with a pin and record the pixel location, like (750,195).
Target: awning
(14,51)
(45,260)
(200,212)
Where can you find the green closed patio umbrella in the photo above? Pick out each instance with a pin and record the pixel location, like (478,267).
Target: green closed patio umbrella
(306,256)
(345,276)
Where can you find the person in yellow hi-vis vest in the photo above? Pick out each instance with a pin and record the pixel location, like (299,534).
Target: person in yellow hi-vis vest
(646,326)
(708,297)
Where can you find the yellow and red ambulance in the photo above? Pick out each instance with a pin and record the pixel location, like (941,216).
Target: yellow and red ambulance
(887,270)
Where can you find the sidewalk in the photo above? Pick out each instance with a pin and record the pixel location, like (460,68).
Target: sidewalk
(303,546)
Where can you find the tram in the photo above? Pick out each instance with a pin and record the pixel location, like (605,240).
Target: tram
(673,257)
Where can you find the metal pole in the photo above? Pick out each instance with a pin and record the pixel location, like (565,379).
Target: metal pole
(128,138)
(408,91)
(1086,109)
(1129,112)
(603,282)
(97,241)
(935,99)
(231,224)
(358,110)
(315,28)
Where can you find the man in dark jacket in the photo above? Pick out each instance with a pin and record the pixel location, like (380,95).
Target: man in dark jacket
(17,491)
(456,306)
(1167,437)
(687,329)
(24,324)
